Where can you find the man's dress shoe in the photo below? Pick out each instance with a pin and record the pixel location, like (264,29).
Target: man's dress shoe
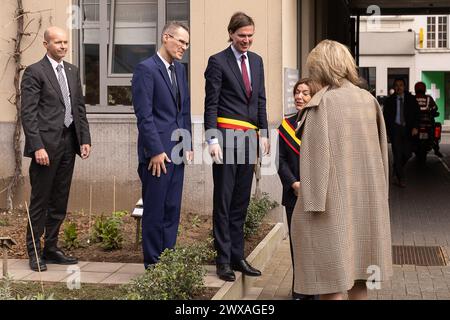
(225,273)
(58,257)
(34,264)
(244,267)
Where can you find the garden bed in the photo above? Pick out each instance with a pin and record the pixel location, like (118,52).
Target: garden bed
(193,228)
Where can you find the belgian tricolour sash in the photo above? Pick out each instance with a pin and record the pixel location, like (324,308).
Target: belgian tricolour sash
(287,132)
(228,123)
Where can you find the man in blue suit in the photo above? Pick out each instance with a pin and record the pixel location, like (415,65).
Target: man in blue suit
(162,105)
(235,108)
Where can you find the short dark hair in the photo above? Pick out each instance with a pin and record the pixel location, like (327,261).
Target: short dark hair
(171,25)
(237,21)
(400,79)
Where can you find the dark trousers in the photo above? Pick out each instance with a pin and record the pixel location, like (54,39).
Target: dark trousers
(401,149)
(162,204)
(50,187)
(232,190)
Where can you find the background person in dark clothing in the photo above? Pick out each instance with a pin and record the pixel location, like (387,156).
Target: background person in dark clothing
(428,111)
(401,114)
(288,158)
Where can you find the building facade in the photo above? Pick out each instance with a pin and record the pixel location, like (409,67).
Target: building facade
(415,48)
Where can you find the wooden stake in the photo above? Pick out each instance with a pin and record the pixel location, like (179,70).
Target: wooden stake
(114,195)
(90,211)
(35,249)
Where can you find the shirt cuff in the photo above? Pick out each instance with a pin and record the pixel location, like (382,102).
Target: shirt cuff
(212,141)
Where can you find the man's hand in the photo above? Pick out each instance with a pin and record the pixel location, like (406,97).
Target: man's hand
(216,153)
(296,187)
(157,164)
(41,157)
(415,132)
(189,156)
(85,151)
(266,146)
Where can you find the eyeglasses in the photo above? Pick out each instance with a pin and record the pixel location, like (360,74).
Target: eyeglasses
(182,42)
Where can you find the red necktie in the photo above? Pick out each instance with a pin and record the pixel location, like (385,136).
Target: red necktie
(248,88)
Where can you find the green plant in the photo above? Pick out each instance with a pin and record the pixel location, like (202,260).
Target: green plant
(195,221)
(4,222)
(108,231)
(5,289)
(257,210)
(70,237)
(177,276)
(8,293)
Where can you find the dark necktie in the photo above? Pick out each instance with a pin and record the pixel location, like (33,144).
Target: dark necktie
(245,77)
(402,112)
(175,90)
(65,93)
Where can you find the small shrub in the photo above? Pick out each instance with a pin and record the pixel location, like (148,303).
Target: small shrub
(70,237)
(7,292)
(196,221)
(108,231)
(4,222)
(257,210)
(177,276)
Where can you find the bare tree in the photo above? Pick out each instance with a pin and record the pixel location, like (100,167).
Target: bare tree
(16,57)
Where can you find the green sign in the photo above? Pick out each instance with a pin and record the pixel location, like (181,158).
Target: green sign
(434,80)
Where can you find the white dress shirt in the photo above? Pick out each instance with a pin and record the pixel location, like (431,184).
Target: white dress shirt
(167,65)
(54,65)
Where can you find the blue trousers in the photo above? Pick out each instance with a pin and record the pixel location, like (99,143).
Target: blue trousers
(162,203)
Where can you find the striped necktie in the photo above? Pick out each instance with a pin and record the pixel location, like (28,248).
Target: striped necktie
(68,119)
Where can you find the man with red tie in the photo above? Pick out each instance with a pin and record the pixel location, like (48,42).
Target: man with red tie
(235,121)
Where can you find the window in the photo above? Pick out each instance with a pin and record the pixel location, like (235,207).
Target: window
(437,32)
(115,36)
(370,75)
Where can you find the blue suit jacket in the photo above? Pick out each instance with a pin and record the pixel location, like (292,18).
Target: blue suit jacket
(155,107)
(225,90)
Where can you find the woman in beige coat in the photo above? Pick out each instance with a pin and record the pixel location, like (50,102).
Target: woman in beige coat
(340,225)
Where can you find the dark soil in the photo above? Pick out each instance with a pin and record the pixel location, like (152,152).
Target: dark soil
(193,228)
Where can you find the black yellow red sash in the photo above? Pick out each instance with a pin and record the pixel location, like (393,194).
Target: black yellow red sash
(228,123)
(287,132)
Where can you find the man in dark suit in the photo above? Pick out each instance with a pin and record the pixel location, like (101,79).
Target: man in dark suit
(401,114)
(56,129)
(162,105)
(235,108)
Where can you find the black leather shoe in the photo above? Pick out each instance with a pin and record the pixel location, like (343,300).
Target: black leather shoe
(34,264)
(224,272)
(244,267)
(58,257)
(299,296)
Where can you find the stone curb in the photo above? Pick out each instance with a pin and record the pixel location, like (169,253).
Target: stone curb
(259,257)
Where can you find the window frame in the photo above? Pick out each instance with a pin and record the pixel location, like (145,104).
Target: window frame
(435,33)
(106,34)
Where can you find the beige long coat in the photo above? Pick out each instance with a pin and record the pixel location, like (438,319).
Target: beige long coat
(340,225)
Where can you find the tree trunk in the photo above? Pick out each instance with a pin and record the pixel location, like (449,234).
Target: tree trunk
(18,124)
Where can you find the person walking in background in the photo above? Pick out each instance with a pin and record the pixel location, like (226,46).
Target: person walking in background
(56,129)
(401,113)
(428,111)
(288,158)
(162,106)
(340,225)
(235,104)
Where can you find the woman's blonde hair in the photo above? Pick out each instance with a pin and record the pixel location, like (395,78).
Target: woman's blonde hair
(330,62)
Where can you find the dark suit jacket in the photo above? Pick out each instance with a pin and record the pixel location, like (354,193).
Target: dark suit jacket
(225,91)
(43,107)
(156,109)
(411,112)
(288,168)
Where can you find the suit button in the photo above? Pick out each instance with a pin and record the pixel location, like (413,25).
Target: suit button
(62,110)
